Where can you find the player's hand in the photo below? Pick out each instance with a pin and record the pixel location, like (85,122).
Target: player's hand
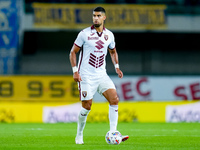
(77,77)
(119,72)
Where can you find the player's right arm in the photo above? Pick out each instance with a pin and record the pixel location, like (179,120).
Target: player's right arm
(75,49)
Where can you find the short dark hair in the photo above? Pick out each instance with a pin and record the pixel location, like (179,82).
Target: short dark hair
(100,9)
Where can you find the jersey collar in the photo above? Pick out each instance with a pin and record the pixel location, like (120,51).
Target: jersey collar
(93,30)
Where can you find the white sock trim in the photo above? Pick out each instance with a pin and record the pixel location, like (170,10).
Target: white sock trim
(85,111)
(114,106)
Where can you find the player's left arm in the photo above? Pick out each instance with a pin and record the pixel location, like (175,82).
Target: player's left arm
(114,57)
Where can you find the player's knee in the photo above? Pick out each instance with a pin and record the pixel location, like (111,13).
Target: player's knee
(114,101)
(87,104)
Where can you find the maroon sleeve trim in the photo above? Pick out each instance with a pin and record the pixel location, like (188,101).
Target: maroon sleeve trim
(113,48)
(77,45)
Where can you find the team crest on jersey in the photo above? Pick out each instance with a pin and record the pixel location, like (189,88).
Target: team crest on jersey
(106,37)
(84,93)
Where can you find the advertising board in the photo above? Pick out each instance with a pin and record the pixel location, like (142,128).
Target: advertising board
(9,37)
(119,17)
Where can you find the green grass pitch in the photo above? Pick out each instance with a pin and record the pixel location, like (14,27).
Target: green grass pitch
(61,136)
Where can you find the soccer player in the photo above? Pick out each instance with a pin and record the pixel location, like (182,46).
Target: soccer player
(93,43)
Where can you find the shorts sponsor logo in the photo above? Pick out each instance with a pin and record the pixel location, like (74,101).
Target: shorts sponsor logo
(84,93)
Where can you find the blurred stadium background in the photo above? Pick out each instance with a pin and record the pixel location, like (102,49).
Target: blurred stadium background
(158,47)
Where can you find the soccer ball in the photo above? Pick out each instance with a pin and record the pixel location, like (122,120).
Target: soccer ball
(113,137)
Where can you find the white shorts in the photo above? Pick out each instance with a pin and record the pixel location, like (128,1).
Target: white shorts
(90,85)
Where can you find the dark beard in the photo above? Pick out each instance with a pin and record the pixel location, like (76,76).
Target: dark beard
(97,25)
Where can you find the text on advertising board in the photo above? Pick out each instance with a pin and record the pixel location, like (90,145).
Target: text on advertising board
(120,17)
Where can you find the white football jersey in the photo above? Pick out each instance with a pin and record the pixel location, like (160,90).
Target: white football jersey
(94,47)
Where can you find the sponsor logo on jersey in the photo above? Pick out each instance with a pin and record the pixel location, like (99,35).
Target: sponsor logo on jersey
(93,38)
(98,51)
(92,34)
(84,93)
(99,44)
